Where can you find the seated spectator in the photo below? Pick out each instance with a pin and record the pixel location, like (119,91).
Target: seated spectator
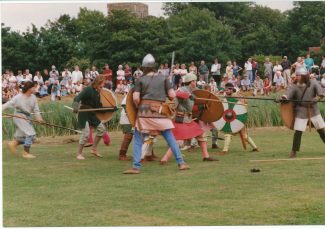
(65,75)
(55,90)
(19,76)
(12,80)
(78,87)
(258,85)
(201,83)
(223,83)
(138,73)
(278,81)
(64,91)
(93,73)
(43,89)
(70,87)
(120,88)
(233,80)
(245,83)
(323,81)
(267,85)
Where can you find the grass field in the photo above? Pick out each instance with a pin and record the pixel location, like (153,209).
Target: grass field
(57,190)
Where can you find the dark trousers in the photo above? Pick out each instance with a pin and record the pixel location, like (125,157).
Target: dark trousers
(297,138)
(217,78)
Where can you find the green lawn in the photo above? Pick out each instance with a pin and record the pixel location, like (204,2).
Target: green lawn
(57,190)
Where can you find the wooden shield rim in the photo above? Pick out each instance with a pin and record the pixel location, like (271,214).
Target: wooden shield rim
(287,114)
(130,108)
(217,112)
(105,117)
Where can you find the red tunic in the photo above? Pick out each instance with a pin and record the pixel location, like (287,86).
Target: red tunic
(184,131)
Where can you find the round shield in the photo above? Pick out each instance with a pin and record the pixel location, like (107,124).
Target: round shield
(287,114)
(130,108)
(214,108)
(108,99)
(233,118)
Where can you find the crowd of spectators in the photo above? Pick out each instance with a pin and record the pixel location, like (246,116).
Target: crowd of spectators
(277,76)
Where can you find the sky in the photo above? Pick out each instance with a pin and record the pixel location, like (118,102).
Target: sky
(20,16)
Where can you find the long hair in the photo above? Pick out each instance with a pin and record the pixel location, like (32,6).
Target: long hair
(98,80)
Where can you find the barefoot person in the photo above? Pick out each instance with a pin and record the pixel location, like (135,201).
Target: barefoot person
(25,105)
(89,97)
(151,92)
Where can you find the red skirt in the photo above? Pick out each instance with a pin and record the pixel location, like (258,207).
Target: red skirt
(184,131)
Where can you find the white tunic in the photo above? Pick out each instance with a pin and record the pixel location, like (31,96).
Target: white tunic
(24,107)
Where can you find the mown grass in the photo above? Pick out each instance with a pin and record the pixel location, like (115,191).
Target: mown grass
(57,190)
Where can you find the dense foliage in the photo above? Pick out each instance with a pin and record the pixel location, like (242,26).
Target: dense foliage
(195,31)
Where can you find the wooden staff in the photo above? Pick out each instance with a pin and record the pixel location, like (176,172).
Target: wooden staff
(95,109)
(290,159)
(42,123)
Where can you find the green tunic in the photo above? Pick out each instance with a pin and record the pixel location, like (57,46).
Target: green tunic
(89,98)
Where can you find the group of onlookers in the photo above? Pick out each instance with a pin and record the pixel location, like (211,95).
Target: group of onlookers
(278,75)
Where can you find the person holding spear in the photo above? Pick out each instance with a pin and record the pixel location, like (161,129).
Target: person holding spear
(25,104)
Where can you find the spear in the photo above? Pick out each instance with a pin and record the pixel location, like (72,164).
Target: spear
(270,99)
(95,109)
(42,123)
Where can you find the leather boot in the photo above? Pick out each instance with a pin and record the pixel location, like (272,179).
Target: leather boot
(12,146)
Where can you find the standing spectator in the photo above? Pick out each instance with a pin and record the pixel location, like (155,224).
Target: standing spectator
(93,73)
(215,71)
(204,71)
(54,74)
(29,76)
(46,75)
(236,69)
(286,66)
(176,76)
(299,65)
(38,78)
(76,75)
(279,81)
(66,75)
(268,68)
(138,73)
(183,71)
(167,70)
(229,69)
(120,75)
(87,76)
(193,68)
(213,86)
(322,82)
(128,72)
(249,69)
(56,90)
(267,85)
(107,72)
(278,67)
(19,76)
(258,85)
(322,66)
(309,62)
(255,67)
(12,80)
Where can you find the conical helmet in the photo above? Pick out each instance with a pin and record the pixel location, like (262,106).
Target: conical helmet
(148,61)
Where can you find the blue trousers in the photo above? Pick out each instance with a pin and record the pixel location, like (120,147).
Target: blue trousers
(170,139)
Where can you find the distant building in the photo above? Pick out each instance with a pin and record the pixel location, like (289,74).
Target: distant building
(139,9)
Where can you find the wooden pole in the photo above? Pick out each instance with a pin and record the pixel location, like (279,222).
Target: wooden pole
(290,159)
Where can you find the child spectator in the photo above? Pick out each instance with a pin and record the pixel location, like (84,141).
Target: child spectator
(267,85)
(279,81)
(201,83)
(213,85)
(78,88)
(55,90)
(70,87)
(258,85)
(120,75)
(43,89)
(64,91)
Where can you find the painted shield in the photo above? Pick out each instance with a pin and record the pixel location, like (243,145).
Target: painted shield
(233,118)
(214,108)
(108,99)
(130,108)
(287,114)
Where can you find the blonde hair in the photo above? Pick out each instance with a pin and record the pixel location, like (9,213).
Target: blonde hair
(98,80)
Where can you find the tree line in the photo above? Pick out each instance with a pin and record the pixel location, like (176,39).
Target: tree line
(195,31)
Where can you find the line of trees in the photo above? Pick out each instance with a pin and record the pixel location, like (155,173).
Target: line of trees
(195,31)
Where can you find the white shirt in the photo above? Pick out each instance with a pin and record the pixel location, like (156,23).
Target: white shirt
(215,69)
(277,68)
(76,76)
(12,79)
(38,80)
(279,81)
(248,66)
(323,82)
(29,77)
